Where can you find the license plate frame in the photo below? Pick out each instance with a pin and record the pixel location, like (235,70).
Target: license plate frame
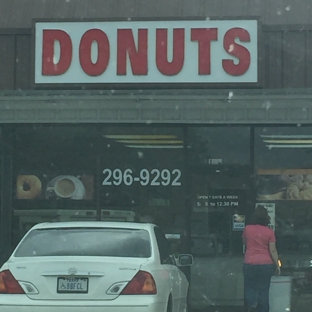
(70,285)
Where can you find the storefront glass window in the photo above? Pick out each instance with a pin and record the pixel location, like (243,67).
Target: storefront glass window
(284,184)
(213,146)
(65,173)
(54,174)
(46,159)
(142,171)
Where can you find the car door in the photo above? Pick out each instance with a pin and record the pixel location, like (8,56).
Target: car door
(168,263)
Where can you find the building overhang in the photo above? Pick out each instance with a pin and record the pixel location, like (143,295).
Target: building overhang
(221,106)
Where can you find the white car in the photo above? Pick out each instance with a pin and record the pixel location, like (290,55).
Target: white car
(93,267)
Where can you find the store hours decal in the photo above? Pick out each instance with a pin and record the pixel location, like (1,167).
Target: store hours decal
(145,177)
(218,201)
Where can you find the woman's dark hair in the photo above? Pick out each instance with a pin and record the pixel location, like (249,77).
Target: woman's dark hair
(260,216)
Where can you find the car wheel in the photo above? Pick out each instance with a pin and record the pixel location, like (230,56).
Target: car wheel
(186,307)
(169,305)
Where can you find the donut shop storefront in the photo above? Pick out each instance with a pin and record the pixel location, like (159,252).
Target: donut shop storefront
(125,153)
(122,124)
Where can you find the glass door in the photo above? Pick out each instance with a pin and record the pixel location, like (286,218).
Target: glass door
(219,164)
(218,219)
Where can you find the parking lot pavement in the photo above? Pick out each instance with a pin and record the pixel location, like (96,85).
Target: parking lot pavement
(220,309)
(302,303)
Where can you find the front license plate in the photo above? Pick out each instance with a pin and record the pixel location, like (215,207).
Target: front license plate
(72,285)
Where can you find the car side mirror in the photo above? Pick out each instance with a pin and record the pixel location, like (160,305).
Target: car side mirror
(184,260)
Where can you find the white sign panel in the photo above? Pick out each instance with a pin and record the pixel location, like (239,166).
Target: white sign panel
(238,222)
(130,52)
(270,207)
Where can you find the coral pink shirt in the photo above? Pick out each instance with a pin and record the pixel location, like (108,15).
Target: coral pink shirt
(257,239)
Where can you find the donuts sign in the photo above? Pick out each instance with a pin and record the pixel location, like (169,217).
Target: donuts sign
(140,52)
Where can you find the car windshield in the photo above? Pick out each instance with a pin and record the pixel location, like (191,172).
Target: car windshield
(103,242)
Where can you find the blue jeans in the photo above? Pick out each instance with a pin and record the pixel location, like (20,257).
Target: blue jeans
(257,280)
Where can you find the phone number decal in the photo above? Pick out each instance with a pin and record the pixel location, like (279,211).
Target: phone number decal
(154,177)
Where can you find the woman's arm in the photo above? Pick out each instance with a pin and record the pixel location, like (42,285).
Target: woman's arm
(274,255)
(273,252)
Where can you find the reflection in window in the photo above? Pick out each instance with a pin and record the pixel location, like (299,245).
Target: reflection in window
(86,242)
(293,227)
(219,145)
(283,147)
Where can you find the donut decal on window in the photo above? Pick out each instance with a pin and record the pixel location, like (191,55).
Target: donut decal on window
(28,187)
(75,187)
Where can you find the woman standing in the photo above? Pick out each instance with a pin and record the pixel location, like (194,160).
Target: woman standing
(261,261)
